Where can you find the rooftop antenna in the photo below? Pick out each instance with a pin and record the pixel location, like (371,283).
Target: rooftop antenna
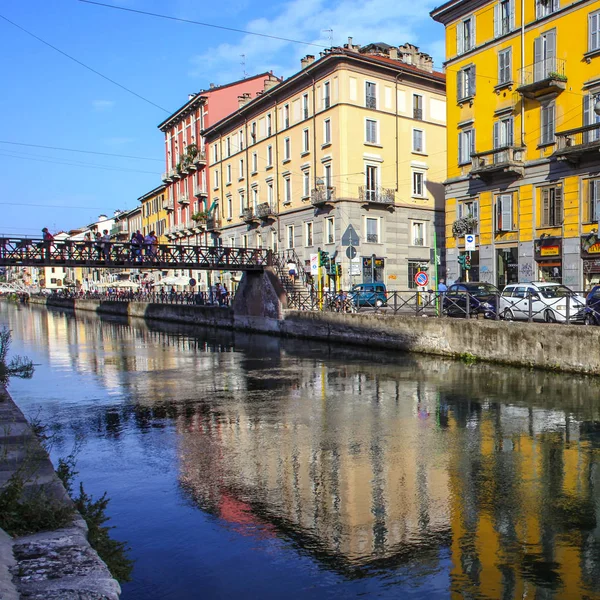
(330,36)
(243,63)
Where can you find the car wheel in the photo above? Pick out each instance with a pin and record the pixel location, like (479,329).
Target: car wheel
(378,303)
(508,315)
(549,316)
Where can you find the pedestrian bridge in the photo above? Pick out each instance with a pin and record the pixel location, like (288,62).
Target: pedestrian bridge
(22,252)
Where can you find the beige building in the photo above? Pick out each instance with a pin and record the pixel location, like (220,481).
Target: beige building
(355,140)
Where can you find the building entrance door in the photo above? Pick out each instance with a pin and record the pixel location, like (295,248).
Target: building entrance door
(507,266)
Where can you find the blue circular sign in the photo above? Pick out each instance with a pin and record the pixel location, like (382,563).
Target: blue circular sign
(421,278)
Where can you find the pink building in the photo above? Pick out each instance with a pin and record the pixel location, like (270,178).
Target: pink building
(186,177)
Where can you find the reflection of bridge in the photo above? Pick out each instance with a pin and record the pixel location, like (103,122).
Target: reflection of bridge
(20,252)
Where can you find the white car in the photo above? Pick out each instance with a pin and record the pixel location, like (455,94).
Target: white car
(544,301)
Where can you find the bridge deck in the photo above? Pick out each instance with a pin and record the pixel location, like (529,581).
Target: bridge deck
(116,255)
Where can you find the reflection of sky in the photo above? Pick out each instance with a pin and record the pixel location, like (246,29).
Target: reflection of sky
(296,458)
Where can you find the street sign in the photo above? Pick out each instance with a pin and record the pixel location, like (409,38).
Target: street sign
(351,252)
(421,279)
(350,237)
(192,282)
(469,242)
(314,265)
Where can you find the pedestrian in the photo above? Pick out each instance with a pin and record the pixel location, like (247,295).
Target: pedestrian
(47,243)
(106,244)
(98,245)
(218,294)
(136,246)
(153,245)
(292,270)
(224,295)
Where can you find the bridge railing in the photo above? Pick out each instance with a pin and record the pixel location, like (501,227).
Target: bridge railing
(27,251)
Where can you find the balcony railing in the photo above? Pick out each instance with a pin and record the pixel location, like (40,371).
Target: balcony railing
(168,204)
(264,210)
(321,195)
(200,190)
(573,143)
(418,114)
(372,238)
(508,159)
(248,215)
(200,158)
(376,195)
(213,224)
(183,199)
(543,77)
(371,102)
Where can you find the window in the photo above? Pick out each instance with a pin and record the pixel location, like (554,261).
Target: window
(503,137)
(504,67)
(327,131)
(287,152)
(547,123)
(254,197)
(551,207)
(594,200)
(371,136)
(504,17)
(287,189)
(504,212)
(253,132)
(326,95)
(590,117)
(274,245)
(241,140)
(418,142)
(370,94)
(544,56)
(229,207)
(269,156)
(308,228)
(594,31)
(245,240)
(290,236)
(269,125)
(228,147)
(286,116)
(215,153)
(327,176)
(418,107)
(259,240)
(418,233)
(270,193)
(465,35)
(228,173)
(254,162)
(216,179)
(371,183)
(242,200)
(305,141)
(468,209)
(543,8)
(241,169)
(413,268)
(466,83)
(466,146)
(305,184)
(372,226)
(305,106)
(418,184)
(330,230)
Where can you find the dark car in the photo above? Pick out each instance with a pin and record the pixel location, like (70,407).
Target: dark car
(592,307)
(482,300)
(369,294)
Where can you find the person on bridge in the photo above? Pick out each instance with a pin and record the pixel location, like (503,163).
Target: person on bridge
(136,241)
(106,244)
(48,239)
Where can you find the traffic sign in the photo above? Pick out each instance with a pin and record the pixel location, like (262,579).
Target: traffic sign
(469,242)
(314,265)
(192,282)
(351,252)
(421,279)
(350,237)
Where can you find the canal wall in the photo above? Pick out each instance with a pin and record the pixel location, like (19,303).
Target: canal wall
(57,564)
(569,348)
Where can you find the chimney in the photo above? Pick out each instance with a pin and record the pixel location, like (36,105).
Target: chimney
(212,86)
(270,82)
(393,53)
(350,42)
(244,99)
(190,96)
(309,59)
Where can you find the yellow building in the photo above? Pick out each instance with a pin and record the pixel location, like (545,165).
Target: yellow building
(355,140)
(154,213)
(523,139)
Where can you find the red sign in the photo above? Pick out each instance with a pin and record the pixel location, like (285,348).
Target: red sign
(421,279)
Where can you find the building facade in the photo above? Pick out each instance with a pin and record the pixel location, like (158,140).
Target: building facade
(346,156)
(154,214)
(523,139)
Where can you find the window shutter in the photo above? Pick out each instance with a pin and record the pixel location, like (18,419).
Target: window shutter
(550,56)
(473,38)
(497,134)
(461,157)
(538,67)
(460,38)
(512,15)
(507,224)
(596,190)
(558,205)
(545,207)
(510,140)
(472,81)
(499,213)
(459,85)
(500,67)
(593,32)
(497,19)
(472,136)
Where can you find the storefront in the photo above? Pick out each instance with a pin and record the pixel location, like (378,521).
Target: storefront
(372,269)
(548,258)
(590,256)
(507,266)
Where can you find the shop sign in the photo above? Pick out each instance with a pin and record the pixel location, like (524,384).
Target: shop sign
(594,249)
(550,251)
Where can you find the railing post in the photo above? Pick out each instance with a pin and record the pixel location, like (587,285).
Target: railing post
(497,315)
(468,305)
(530,316)
(568,309)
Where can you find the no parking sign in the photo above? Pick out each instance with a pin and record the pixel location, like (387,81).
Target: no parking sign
(421,279)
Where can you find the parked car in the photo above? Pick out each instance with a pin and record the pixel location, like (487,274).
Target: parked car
(592,307)
(548,301)
(369,294)
(482,297)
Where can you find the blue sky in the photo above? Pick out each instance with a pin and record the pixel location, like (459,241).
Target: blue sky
(49,100)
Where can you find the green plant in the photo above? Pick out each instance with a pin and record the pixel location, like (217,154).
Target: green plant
(200,216)
(463,226)
(468,358)
(557,76)
(192,150)
(19,366)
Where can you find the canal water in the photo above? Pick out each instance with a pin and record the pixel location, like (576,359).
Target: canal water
(244,466)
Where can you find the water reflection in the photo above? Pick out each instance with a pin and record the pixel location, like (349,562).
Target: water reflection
(377,466)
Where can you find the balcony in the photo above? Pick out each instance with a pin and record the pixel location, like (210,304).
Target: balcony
(200,158)
(371,102)
(248,215)
(213,224)
(418,114)
(184,199)
(168,204)
(376,195)
(200,191)
(543,77)
(321,195)
(509,159)
(574,143)
(264,210)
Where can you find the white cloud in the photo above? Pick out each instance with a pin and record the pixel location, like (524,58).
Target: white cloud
(102,105)
(307,20)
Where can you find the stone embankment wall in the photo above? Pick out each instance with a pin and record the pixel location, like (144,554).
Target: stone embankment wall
(568,348)
(58,564)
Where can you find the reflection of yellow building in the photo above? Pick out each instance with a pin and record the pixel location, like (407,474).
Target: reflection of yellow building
(357,137)
(523,133)
(154,214)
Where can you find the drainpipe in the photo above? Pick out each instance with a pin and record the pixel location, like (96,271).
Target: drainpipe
(314,128)
(522,72)
(276,123)
(397,134)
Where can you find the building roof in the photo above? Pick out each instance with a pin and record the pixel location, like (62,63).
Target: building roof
(337,53)
(200,98)
(452,9)
(157,190)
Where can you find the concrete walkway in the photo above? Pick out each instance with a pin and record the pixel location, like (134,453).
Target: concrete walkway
(50,565)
